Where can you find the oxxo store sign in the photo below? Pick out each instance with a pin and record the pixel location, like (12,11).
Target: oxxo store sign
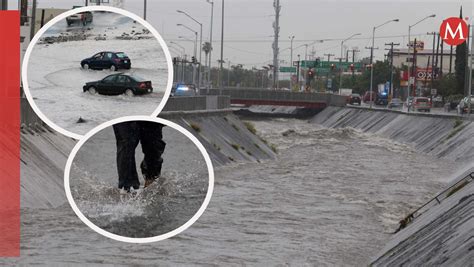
(425,74)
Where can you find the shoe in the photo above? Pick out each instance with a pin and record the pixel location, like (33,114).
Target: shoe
(149,181)
(124,191)
(130,191)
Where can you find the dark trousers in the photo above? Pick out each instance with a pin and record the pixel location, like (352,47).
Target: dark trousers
(128,135)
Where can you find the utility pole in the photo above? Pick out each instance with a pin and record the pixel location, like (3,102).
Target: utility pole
(329,56)
(391,68)
(144,9)
(298,73)
(291,58)
(354,51)
(222,47)
(210,41)
(276,29)
(432,59)
(415,52)
(33,20)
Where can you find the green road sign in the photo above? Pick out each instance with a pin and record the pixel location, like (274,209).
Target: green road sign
(310,63)
(287,69)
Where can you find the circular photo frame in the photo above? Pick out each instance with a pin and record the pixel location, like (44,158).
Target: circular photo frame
(174,126)
(62,129)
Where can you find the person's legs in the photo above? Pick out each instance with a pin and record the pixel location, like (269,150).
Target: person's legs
(127,137)
(153,146)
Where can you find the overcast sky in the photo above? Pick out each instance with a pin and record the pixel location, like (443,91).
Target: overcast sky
(248,24)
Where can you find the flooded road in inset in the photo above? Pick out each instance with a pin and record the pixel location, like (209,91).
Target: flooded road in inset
(332,197)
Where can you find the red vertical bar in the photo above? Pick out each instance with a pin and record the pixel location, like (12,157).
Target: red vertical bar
(10,134)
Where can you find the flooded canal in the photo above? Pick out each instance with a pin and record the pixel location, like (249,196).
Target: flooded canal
(332,197)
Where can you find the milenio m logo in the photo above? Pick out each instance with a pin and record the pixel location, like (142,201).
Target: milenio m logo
(454,31)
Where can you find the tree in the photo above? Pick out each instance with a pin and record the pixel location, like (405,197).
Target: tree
(460,65)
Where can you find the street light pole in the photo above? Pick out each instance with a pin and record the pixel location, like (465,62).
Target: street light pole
(409,52)
(340,59)
(291,58)
(372,57)
(200,42)
(210,41)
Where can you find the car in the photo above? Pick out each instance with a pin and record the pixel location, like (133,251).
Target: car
(182,89)
(107,60)
(116,84)
(367,98)
(421,104)
(355,99)
(80,18)
(464,105)
(395,103)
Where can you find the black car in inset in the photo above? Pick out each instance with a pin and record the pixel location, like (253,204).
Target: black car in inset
(120,83)
(107,60)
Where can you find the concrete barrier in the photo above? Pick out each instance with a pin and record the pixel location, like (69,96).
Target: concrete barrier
(190,103)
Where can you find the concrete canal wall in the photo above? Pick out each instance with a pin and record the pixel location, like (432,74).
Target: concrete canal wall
(441,232)
(449,137)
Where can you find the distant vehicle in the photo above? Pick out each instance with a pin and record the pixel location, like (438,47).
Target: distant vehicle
(421,104)
(181,89)
(345,91)
(395,103)
(107,60)
(381,99)
(80,18)
(119,83)
(367,98)
(355,99)
(463,106)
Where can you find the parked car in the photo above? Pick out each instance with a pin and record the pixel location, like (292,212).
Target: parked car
(182,89)
(463,106)
(355,99)
(80,18)
(395,103)
(120,83)
(367,98)
(107,60)
(421,104)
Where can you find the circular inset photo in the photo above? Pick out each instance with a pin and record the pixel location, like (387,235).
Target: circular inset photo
(94,64)
(139,179)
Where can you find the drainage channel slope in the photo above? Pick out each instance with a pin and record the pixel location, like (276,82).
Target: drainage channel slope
(443,137)
(439,232)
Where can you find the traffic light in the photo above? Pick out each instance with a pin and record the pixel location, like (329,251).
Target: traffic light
(175,60)
(193,59)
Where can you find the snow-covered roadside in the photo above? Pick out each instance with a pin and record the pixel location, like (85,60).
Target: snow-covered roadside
(55,77)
